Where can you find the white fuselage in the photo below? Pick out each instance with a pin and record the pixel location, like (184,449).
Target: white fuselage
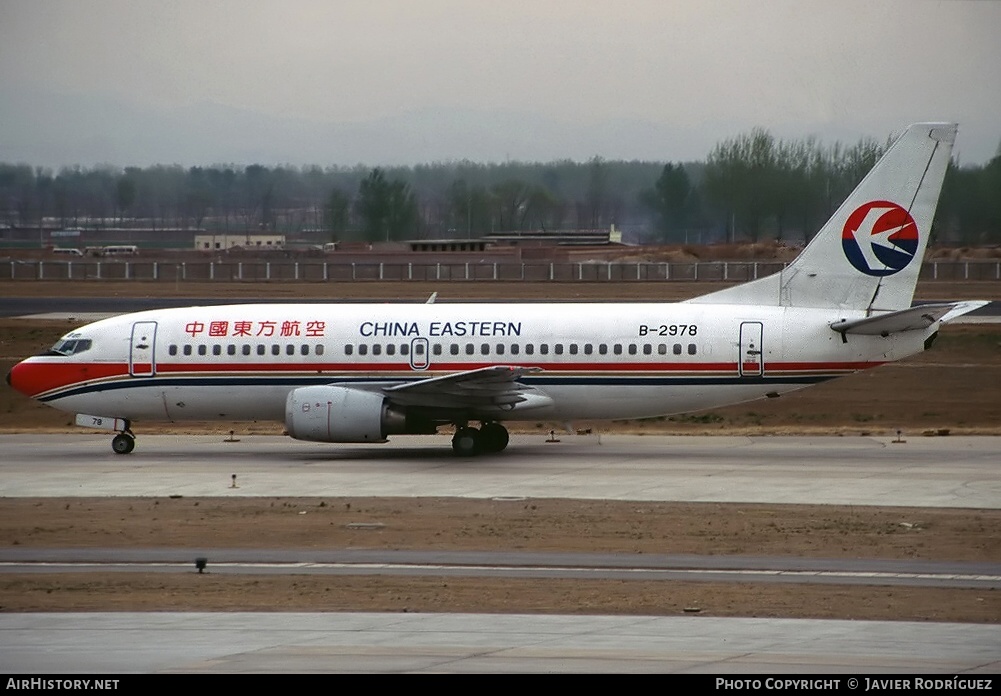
(596,361)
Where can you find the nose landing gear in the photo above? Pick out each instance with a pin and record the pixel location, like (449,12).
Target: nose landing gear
(123,443)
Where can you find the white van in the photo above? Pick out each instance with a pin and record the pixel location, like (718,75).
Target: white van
(67,252)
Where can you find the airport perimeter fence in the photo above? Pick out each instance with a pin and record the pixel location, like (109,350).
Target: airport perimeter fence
(326,271)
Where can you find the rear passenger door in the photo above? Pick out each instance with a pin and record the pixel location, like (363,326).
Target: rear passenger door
(751,360)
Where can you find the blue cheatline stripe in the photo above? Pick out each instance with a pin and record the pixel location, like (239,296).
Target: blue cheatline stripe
(312,380)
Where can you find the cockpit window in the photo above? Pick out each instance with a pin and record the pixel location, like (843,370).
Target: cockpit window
(71,346)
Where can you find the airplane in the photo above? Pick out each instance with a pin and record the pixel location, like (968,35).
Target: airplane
(356,373)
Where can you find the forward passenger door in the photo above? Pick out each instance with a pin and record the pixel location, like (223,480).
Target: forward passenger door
(142,350)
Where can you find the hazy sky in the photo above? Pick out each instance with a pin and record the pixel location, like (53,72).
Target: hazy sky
(403,82)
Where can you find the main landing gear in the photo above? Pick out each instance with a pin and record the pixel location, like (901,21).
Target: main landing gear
(489,438)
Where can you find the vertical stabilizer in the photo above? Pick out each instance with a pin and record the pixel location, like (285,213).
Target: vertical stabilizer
(868,255)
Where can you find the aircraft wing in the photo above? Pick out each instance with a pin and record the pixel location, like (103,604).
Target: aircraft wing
(488,389)
(912,319)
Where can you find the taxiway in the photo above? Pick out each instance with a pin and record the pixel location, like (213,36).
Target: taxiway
(916,472)
(960,472)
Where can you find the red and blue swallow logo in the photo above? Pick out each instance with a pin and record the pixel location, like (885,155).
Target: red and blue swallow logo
(880,238)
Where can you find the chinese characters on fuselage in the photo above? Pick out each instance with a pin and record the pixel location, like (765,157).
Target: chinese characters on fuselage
(249,329)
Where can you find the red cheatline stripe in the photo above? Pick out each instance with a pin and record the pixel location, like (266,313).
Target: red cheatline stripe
(439,366)
(35,378)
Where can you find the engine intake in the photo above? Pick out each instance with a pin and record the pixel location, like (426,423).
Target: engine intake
(341,414)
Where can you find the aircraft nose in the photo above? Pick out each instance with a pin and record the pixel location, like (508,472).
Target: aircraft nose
(40,374)
(10,376)
(18,379)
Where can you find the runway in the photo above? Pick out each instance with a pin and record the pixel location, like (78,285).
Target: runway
(294,643)
(956,472)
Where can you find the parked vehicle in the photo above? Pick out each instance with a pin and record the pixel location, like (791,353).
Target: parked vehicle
(120,250)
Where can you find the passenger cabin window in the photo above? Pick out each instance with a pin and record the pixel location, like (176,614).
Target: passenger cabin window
(691,349)
(246,349)
(187,349)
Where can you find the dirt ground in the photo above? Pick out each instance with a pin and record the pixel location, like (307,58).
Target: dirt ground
(948,390)
(191,525)
(448,291)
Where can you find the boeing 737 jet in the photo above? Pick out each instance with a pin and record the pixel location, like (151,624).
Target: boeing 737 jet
(361,372)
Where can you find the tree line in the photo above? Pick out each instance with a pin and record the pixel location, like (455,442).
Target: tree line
(750,187)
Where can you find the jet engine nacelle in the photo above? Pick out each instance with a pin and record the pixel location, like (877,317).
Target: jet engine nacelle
(340,414)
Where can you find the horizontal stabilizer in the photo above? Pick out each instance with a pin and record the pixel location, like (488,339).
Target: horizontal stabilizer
(913,319)
(961,308)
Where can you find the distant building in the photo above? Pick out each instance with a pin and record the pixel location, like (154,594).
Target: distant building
(94,237)
(448,245)
(222,242)
(599,237)
(539,238)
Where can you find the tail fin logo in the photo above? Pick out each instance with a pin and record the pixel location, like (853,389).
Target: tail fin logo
(880,238)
